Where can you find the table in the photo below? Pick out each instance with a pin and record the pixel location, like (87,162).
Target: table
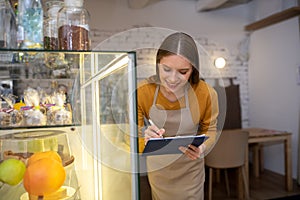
(260,136)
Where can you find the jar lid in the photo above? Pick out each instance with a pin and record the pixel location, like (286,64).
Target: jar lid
(53,11)
(73,3)
(53,7)
(54,3)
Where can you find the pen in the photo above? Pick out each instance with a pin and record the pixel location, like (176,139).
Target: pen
(150,122)
(146,122)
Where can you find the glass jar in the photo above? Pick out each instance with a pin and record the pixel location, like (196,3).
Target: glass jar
(73,26)
(30,24)
(8,26)
(50,25)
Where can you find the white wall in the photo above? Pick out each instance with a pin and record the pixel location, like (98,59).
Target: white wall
(274,54)
(224,26)
(273,91)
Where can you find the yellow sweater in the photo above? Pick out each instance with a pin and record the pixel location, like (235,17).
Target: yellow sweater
(203,102)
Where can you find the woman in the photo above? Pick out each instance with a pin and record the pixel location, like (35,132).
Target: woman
(179,103)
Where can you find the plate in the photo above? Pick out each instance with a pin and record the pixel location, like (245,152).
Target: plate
(70,192)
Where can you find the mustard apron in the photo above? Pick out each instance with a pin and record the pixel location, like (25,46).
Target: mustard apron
(175,176)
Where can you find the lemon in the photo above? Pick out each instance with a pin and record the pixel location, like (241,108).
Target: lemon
(17,106)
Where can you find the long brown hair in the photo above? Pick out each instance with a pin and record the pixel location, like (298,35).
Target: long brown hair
(180,44)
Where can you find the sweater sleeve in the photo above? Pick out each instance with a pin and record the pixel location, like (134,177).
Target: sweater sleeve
(145,95)
(208,121)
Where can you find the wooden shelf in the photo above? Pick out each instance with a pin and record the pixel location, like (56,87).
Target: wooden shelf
(275,18)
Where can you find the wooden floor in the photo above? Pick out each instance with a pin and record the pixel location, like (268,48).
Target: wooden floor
(268,186)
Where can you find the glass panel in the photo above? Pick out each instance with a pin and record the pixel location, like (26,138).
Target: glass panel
(87,106)
(104,59)
(115,155)
(114,98)
(86,168)
(87,66)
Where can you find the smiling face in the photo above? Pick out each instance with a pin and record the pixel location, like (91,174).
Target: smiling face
(174,73)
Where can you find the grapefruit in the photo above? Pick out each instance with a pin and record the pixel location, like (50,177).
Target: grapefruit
(44,176)
(46,154)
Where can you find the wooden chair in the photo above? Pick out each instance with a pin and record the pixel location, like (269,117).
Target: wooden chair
(229,152)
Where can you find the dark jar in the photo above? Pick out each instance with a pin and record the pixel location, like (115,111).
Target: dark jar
(73,26)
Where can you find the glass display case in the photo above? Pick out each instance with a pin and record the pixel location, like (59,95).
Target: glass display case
(81,105)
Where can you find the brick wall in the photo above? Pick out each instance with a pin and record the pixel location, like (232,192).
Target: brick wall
(145,41)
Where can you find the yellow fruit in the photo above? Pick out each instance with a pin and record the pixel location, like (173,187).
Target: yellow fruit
(18,106)
(44,177)
(46,154)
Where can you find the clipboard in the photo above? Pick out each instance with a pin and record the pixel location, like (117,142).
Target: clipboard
(170,145)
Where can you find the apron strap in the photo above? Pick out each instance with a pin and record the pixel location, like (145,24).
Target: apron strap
(155,95)
(187,103)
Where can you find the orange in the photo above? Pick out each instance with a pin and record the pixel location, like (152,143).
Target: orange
(46,154)
(44,177)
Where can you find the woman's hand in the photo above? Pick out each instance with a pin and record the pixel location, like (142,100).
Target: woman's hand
(153,132)
(193,152)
